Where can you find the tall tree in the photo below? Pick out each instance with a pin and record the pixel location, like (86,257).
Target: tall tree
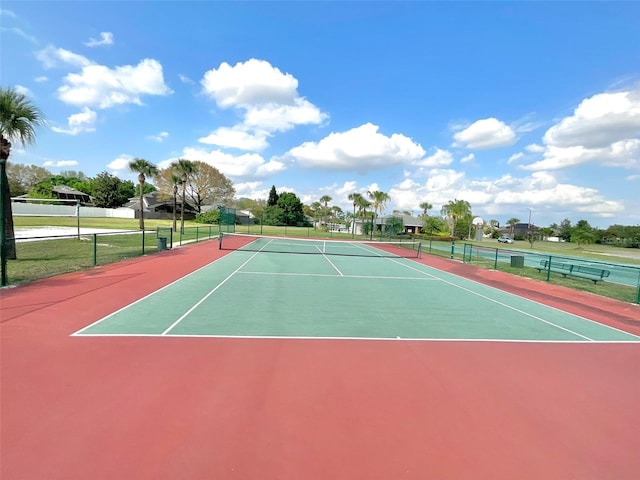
(144,169)
(22,178)
(455,209)
(378,201)
(207,185)
(425,206)
(316,208)
(325,199)
(108,191)
(184,168)
(356,199)
(512,222)
(273,197)
(291,208)
(19,119)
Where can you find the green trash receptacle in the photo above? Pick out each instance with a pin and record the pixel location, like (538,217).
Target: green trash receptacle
(517,261)
(162,243)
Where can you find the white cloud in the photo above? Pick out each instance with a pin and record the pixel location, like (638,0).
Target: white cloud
(468,158)
(60,163)
(106,38)
(624,154)
(159,137)
(237,137)
(277,117)
(361,149)
(504,195)
(250,190)
(441,158)
(245,166)
(185,79)
(104,87)
(23,90)
(120,163)
(8,13)
(41,79)
(267,98)
(603,129)
(599,121)
(81,122)
(534,148)
(20,33)
(52,57)
(515,157)
(252,82)
(485,134)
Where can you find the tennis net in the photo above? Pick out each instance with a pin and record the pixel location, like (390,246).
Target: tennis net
(259,243)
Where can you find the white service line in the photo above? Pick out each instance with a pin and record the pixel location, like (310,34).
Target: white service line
(333,265)
(174,324)
(502,304)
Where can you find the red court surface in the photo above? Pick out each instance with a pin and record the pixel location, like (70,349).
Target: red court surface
(211,408)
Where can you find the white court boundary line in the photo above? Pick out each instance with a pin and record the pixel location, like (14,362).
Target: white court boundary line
(186,314)
(145,297)
(357,339)
(399,261)
(368,277)
(520,298)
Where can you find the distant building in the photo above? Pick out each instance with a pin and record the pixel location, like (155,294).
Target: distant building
(63,192)
(158,206)
(410,224)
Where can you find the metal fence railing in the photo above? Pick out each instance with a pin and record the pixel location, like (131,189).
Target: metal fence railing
(47,256)
(612,279)
(40,257)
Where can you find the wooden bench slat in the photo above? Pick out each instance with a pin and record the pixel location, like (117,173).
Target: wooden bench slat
(584,271)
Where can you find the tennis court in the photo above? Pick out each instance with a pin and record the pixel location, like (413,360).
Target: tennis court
(278,359)
(336,289)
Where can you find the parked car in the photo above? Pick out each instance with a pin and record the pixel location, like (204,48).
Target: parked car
(505,239)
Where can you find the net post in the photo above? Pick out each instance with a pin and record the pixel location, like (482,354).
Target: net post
(220,241)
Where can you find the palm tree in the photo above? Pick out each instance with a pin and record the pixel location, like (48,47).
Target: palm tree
(175,180)
(336,213)
(325,199)
(493,225)
(316,207)
(425,206)
(379,201)
(363,204)
(512,225)
(356,198)
(454,210)
(183,169)
(144,169)
(18,121)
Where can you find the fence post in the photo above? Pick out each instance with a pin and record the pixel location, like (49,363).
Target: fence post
(549,268)
(95,249)
(495,262)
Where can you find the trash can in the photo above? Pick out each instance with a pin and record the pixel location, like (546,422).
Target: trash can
(162,243)
(517,261)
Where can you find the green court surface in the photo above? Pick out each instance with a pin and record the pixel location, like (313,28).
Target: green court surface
(261,294)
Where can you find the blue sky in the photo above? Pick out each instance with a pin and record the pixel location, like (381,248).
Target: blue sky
(516,107)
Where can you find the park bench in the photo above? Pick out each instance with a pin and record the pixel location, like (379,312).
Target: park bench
(584,271)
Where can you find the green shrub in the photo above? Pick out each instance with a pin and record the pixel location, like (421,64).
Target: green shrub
(212,216)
